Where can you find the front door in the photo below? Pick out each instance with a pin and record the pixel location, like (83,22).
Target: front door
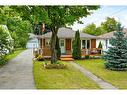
(68,46)
(62,45)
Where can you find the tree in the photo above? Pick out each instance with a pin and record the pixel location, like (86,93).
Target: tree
(55,17)
(58,48)
(77,46)
(64,15)
(18,27)
(19,30)
(93,29)
(116,56)
(99,31)
(100,45)
(5,44)
(109,25)
(6,13)
(90,29)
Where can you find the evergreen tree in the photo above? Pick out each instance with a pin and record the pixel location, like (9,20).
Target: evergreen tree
(58,48)
(116,56)
(77,46)
(100,45)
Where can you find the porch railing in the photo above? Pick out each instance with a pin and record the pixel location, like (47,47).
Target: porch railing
(47,51)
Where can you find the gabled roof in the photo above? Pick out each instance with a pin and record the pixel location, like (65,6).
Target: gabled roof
(110,34)
(67,33)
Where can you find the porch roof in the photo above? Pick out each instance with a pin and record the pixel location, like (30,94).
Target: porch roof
(110,34)
(67,33)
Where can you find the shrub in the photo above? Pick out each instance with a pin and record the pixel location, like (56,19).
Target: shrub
(5,44)
(40,58)
(87,57)
(2,61)
(57,65)
(36,55)
(77,46)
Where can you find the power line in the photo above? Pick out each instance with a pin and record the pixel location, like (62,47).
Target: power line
(119,11)
(114,13)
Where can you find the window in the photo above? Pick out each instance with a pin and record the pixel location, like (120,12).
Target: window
(47,42)
(83,44)
(88,44)
(61,42)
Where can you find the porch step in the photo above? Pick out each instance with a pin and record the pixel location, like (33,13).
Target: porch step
(66,59)
(66,56)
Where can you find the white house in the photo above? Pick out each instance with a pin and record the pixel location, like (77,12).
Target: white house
(105,39)
(66,37)
(33,42)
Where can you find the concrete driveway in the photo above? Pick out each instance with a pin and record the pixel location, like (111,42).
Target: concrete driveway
(18,73)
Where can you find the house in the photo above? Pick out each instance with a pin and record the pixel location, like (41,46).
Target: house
(105,39)
(66,36)
(33,42)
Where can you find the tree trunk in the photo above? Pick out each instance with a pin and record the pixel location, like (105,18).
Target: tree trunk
(53,46)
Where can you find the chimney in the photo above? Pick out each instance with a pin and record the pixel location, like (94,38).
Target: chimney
(43,27)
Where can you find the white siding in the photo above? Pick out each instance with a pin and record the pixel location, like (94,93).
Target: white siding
(33,43)
(105,44)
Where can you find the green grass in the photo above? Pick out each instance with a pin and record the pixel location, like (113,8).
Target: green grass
(96,66)
(14,54)
(69,78)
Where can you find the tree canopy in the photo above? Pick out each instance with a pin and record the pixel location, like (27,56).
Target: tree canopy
(19,30)
(107,26)
(18,27)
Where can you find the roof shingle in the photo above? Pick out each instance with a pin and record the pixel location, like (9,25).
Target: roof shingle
(68,33)
(110,34)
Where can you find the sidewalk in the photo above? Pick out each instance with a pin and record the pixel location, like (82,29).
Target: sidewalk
(103,84)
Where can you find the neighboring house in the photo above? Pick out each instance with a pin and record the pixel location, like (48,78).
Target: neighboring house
(66,36)
(33,42)
(105,39)
(9,38)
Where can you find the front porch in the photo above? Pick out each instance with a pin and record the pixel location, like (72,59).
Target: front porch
(46,52)
(84,52)
(88,47)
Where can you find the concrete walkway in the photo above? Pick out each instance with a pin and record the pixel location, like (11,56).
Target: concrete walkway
(97,80)
(18,73)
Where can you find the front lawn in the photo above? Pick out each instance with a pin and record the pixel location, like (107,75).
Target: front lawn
(96,66)
(69,78)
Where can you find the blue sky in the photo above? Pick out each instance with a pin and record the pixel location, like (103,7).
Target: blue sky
(98,16)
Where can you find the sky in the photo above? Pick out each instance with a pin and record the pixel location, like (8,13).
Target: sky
(98,16)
